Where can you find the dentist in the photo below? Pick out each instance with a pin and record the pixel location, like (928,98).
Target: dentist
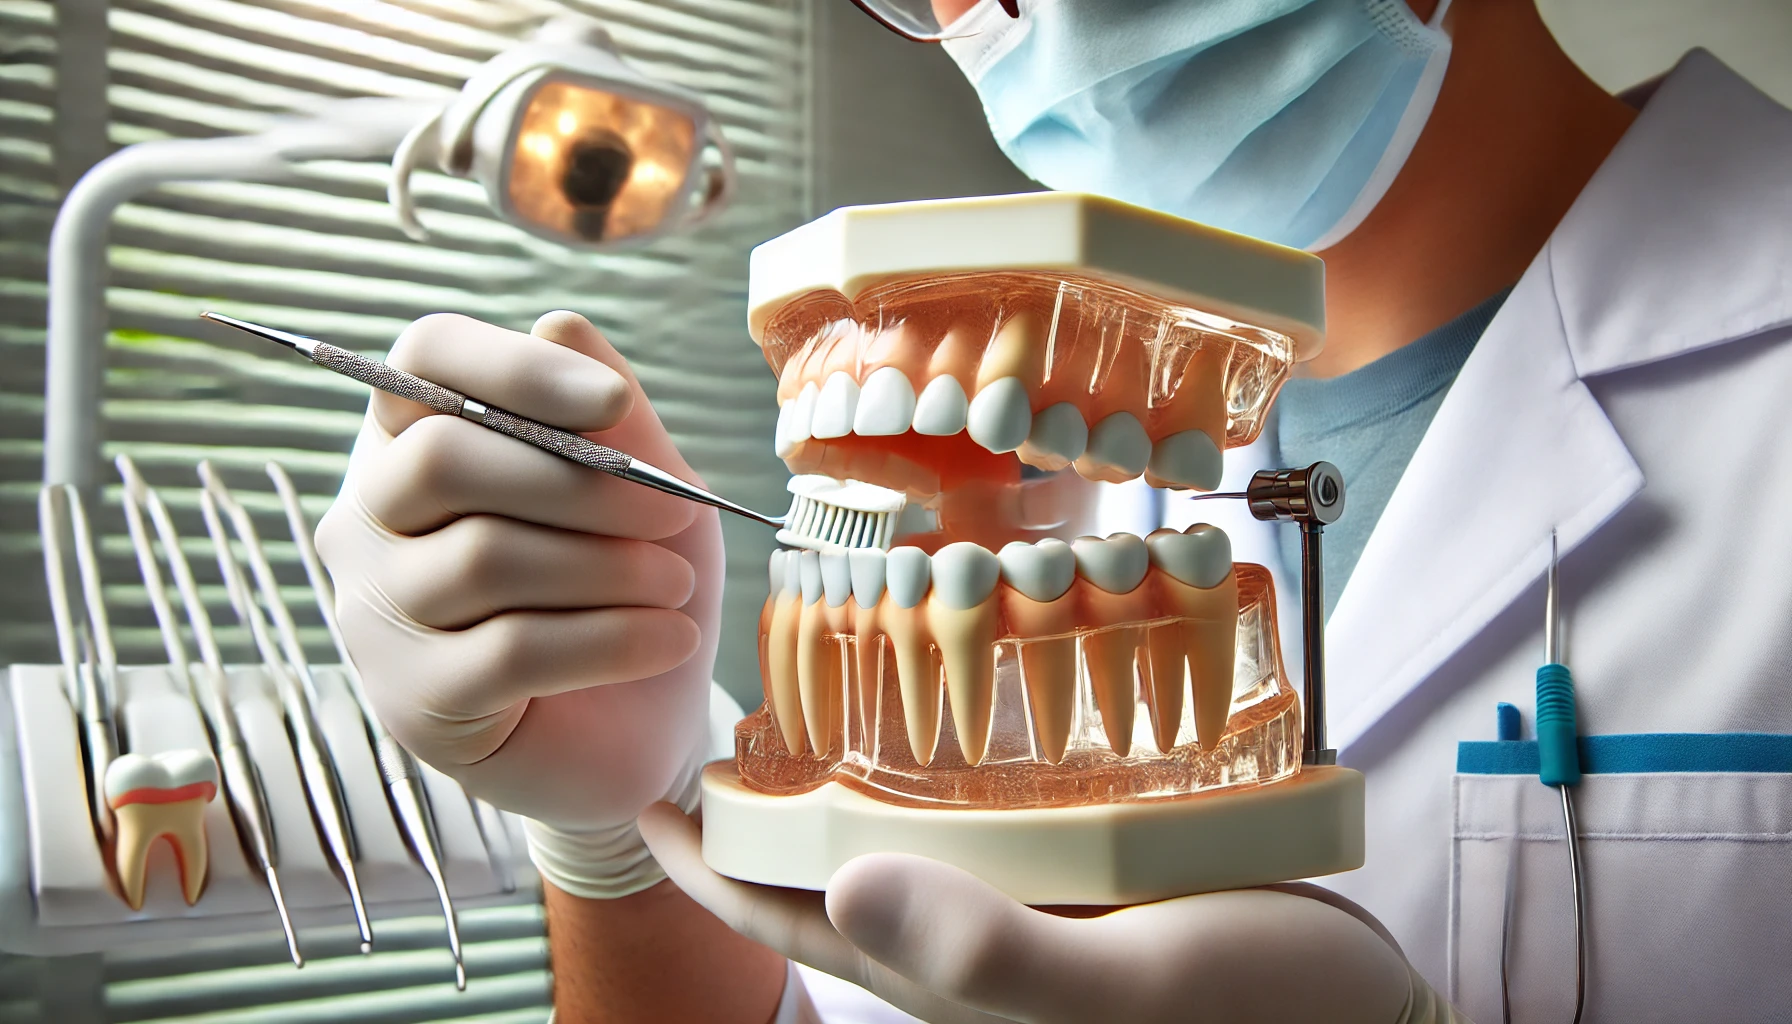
(1548,308)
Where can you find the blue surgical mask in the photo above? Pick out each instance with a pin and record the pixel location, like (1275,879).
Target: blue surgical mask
(1283,119)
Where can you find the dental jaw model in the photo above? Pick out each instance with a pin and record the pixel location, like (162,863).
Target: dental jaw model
(1074,719)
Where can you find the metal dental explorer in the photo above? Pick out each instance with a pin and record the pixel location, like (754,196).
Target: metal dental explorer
(410,810)
(403,778)
(242,779)
(844,518)
(315,763)
(88,684)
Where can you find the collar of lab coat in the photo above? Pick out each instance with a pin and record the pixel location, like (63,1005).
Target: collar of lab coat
(1678,243)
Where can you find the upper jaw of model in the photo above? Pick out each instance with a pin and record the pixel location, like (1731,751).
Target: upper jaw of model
(990,358)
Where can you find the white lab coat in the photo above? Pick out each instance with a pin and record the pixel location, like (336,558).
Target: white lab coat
(1635,393)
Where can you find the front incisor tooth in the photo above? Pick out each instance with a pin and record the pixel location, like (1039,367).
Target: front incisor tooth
(886,404)
(835,406)
(1001,416)
(1119,450)
(942,407)
(962,615)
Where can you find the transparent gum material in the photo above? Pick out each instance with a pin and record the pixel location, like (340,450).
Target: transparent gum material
(870,747)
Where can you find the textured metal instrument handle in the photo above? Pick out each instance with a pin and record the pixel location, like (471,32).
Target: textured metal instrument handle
(581,450)
(393,382)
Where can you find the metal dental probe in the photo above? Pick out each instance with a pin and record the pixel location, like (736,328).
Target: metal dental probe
(404,780)
(315,764)
(242,779)
(408,804)
(1558,760)
(850,527)
(86,686)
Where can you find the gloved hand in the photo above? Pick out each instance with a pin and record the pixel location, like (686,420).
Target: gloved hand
(542,632)
(944,946)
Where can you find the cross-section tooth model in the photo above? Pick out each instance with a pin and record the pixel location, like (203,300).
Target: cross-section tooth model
(1074,718)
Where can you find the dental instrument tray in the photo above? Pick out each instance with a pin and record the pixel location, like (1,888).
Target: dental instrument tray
(1074,719)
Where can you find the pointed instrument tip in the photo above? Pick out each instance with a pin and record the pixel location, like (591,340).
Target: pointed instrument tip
(297,342)
(460,976)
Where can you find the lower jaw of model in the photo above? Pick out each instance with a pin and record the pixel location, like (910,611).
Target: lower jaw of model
(998,656)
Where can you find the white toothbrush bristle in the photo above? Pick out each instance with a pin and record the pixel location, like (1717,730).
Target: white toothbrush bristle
(827,513)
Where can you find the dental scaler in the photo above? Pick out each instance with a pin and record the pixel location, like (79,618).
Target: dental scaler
(1075,719)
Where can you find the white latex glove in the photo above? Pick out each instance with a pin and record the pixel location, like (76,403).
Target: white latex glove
(542,632)
(944,946)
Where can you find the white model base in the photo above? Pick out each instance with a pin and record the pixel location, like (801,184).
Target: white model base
(1100,854)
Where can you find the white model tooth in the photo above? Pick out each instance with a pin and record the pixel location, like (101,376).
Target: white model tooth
(907,573)
(1058,437)
(1116,565)
(886,404)
(867,568)
(157,797)
(793,574)
(778,558)
(1042,571)
(942,407)
(836,578)
(1200,557)
(803,415)
(784,439)
(835,406)
(965,574)
(1001,416)
(1118,449)
(1189,458)
(809,575)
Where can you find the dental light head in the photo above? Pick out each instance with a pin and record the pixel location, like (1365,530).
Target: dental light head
(573,144)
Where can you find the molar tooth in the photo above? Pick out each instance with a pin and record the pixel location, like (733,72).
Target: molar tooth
(836,578)
(965,574)
(1187,459)
(1042,571)
(1058,437)
(835,406)
(1047,666)
(907,572)
(1116,565)
(1119,450)
(962,618)
(1209,632)
(1200,557)
(886,404)
(161,797)
(942,407)
(1001,416)
(866,566)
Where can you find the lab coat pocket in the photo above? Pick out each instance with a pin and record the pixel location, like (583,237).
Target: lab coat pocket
(1686,846)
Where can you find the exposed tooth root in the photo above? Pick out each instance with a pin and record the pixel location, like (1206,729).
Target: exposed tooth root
(161,797)
(1017,350)
(1041,572)
(942,407)
(966,637)
(1001,416)
(780,661)
(1058,437)
(1210,636)
(1047,667)
(1167,646)
(1200,556)
(915,676)
(1117,565)
(1187,459)
(868,643)
(836,578)
(1119,450)
(835,406)
(886,404)
(818,675)
(1109,656)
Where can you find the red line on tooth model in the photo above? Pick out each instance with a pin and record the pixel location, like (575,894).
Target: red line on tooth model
(154,795)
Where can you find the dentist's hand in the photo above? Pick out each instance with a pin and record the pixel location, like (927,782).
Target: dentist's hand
(946,947)
(542,632)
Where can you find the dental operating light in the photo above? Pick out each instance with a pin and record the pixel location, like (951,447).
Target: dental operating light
(574,144)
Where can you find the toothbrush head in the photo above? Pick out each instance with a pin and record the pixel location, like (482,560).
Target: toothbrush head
(827,513)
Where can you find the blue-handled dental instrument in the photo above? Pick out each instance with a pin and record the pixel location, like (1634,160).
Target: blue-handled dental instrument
(1558,765)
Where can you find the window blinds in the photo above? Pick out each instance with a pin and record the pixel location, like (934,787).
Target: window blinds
(322,256)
